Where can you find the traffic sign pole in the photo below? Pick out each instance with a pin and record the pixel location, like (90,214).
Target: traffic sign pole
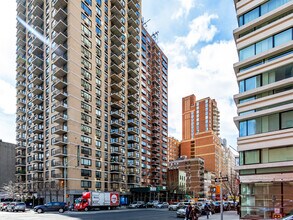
(221,197)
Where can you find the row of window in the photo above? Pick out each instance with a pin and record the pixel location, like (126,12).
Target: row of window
(266,78)
(260,11)
(268,123)
(266,44)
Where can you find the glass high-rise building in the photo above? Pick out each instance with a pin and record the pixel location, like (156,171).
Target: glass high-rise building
(80,109)
(264,41)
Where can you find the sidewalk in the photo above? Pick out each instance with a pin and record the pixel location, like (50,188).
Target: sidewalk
(228,215)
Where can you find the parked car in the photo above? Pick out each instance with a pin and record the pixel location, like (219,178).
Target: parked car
(290,217)
(3,206)
(137,204)
(10,207)
(217,206)
(162,205)
(226,206)
(51,207)
(200,205)
(152,203)
(181,212)
(175,206)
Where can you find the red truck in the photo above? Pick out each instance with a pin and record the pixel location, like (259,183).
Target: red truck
(92,200)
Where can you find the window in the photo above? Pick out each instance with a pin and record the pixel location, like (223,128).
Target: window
(86,20)
(85,139)
(251,157)
(87,173)
(86,31)
(86,106)
(86,184)
(287,120)
(86,129)
(86,151)
(86,162)
(86,9)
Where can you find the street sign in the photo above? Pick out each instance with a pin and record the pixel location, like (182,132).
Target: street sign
(221,179)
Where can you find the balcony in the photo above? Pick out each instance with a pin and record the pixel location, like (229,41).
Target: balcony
(37,99)
(116,21)
(117,142)
(38,139)
(117,114)
(37,119)
(116,50)
(20,172)
(37,2)
(133,39)
(115,40)
(37,80)
(20,7)
(132,106)
(20,42)
(156,150)
(57,176)
(20,164)
(38,109)
(133,73)
(21,94)
(60,14)
(59,72)
(60,95)
(37,21)
(115,60)
(133,138)
(117,105)
(20,68)
(133,147)
(38,149)
(59,3)
(133,131)
(133,56)
(59,83)
(37,170)
(21,102)
(60,141)
(59,38)
(38,129)
(133,98)
(59,49)
(116,30)
(116,96)
(37,159)
(115,68)
(59,26)
(133,48)
(37,60)
(117,123)
(133,114)
(20,154)
(133,23)
(37,11)
(59,130)
(37,89)
(115,151)
(59,61)
(131,165)
(119,4)
(59,153)
(60,118)
(21,60)
(116,86)
(117,133)
(133,89)
(117,77)
(60,106)
(133,65)
(37,50)
(133,122)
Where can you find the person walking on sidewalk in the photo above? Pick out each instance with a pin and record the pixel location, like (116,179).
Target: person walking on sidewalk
(207,210)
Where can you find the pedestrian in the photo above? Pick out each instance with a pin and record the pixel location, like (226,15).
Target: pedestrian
(187,211)
(207,210)
(195,211)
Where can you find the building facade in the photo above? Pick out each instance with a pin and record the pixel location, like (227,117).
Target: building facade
(7,162)
(79,100)
(265,102)
(173,149)
(194,169)
(200,132)
(154,112)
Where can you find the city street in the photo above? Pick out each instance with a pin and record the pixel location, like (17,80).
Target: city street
(124,214)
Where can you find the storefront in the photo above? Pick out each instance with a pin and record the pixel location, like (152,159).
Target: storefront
(263,200)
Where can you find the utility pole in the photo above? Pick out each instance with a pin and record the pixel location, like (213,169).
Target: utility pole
(221,197)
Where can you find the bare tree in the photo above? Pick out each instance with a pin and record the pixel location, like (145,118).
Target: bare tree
(14,190)
(232,186)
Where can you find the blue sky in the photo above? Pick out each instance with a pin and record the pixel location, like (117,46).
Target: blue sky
(196,35)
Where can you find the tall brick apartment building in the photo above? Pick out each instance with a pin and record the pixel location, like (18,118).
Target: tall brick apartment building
(200,132)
